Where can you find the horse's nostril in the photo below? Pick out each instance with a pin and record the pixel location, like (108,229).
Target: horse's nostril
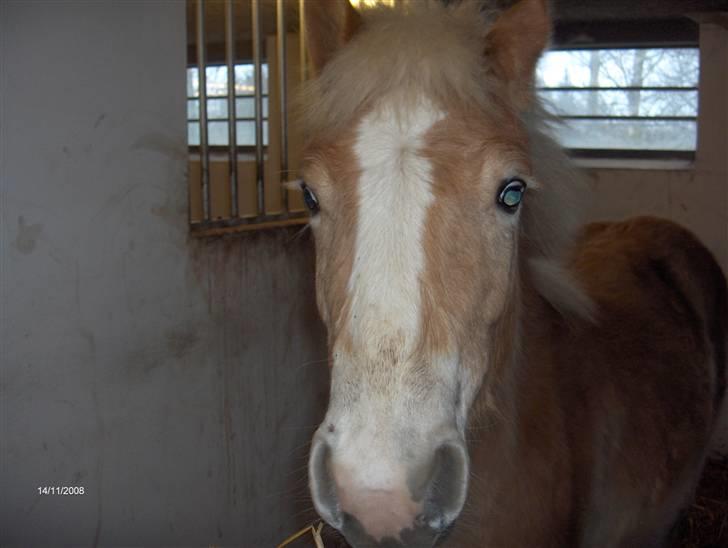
(370,503)
(448,487)
(323,487)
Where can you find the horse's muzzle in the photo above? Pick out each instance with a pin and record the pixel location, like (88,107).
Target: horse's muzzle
(414,512)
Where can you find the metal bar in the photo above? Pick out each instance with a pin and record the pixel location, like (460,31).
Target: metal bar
(222,119)
(252,220)
(627,43)
(200,230)
(259,164)
(301,40)
(632,153)
(232,129)
(282,66)
(202,89)
(635,118)
(239,95)
(625,88)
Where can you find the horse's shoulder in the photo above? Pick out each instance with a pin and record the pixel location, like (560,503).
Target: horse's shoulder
(643,243)
(645,267)
(647,234)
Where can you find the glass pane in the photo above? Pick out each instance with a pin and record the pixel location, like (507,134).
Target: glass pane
(217,109)
(622,103)
(193,84)
(245,79)
(672,67)
(193,109)
(655,67)
(627,134)
(216,81)
(193,134)
(246,133)
(245,107)
(217,133)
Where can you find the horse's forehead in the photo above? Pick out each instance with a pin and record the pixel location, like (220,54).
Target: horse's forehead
(399,175)
(392,134)
(393,194)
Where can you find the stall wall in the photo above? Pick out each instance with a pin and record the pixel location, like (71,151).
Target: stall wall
(177,381)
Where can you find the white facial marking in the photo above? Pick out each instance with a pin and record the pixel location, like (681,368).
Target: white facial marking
(389,427)
(394,193)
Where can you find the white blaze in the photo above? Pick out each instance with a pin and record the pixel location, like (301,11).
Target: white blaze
(382,437)
(394,193)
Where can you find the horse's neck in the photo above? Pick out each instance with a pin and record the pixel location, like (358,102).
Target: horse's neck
(517,441)
(520,391)
(518,445)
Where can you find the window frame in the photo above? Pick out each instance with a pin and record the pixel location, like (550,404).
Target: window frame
(629,155)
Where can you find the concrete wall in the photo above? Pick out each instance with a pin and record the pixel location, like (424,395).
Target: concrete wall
(174,379)
(170,378)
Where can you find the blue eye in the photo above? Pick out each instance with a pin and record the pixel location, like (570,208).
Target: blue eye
(309,198)
(511,194)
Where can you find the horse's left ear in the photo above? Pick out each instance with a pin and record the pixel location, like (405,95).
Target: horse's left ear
(515,43)
(329,25)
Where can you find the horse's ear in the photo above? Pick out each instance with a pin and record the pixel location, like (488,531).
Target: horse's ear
(329,25)
(515,43)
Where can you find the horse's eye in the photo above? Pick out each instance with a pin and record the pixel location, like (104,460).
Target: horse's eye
(511,194)
(309,198)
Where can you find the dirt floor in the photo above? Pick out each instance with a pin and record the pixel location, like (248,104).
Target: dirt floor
(705,522)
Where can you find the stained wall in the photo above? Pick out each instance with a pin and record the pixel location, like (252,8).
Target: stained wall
(176,380)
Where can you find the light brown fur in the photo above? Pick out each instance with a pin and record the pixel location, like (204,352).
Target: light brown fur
(328,160)
(612,419)
(600,352)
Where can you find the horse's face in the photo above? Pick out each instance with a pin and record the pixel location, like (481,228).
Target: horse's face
(415,259)
(415,217)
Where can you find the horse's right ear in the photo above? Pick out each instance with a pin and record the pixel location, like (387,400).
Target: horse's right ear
(329,25)
(515,43)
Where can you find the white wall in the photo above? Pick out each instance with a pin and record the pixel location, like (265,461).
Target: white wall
(163,375)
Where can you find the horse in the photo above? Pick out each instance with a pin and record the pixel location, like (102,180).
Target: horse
(501,375)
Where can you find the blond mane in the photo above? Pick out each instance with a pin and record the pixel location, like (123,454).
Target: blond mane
(417,48)
(426,48)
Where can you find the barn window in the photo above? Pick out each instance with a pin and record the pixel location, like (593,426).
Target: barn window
(244,61)
(633,95)
(218,133)
(639,102)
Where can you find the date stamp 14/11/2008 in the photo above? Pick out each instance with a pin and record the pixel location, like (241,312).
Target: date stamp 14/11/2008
(61,490)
